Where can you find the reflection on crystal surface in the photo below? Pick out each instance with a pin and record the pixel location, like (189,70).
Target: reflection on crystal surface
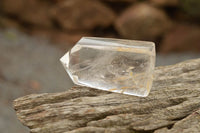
(116,65)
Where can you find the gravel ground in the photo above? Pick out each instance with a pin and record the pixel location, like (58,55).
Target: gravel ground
(29,65)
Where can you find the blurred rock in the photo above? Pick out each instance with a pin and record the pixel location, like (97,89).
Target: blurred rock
(165,2)
(63,39)
(142,21)
(181,39)
(66,21)
(67,40)
(8,23)
(192,7)
(82,15)
(120,0)
(11,6)
(34,12)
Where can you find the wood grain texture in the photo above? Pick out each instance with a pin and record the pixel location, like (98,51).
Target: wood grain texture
(173,106)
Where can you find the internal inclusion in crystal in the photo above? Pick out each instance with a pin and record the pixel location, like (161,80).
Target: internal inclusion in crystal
(122,66)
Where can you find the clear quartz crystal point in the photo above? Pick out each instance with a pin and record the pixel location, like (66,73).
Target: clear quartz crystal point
(122,66)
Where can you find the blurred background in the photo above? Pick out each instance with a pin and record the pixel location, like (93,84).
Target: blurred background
(34,34)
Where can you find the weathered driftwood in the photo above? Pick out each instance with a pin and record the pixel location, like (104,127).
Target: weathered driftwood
(173,106)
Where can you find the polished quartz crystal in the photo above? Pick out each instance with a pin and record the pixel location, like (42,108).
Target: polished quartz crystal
(122,66)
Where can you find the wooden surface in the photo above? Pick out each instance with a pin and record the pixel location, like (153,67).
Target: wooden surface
(173,106)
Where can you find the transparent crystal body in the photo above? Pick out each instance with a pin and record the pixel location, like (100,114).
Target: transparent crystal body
(122,66)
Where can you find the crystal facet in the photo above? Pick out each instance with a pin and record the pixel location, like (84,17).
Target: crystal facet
(123,66)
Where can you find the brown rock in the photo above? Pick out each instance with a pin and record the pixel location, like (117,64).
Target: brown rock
(8,23)
(11,6)
(34,12)
(182,38)
(67,40)
(191,7)
(81,15)
(64,40)
(165,2)
(142,21)
(120,0)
